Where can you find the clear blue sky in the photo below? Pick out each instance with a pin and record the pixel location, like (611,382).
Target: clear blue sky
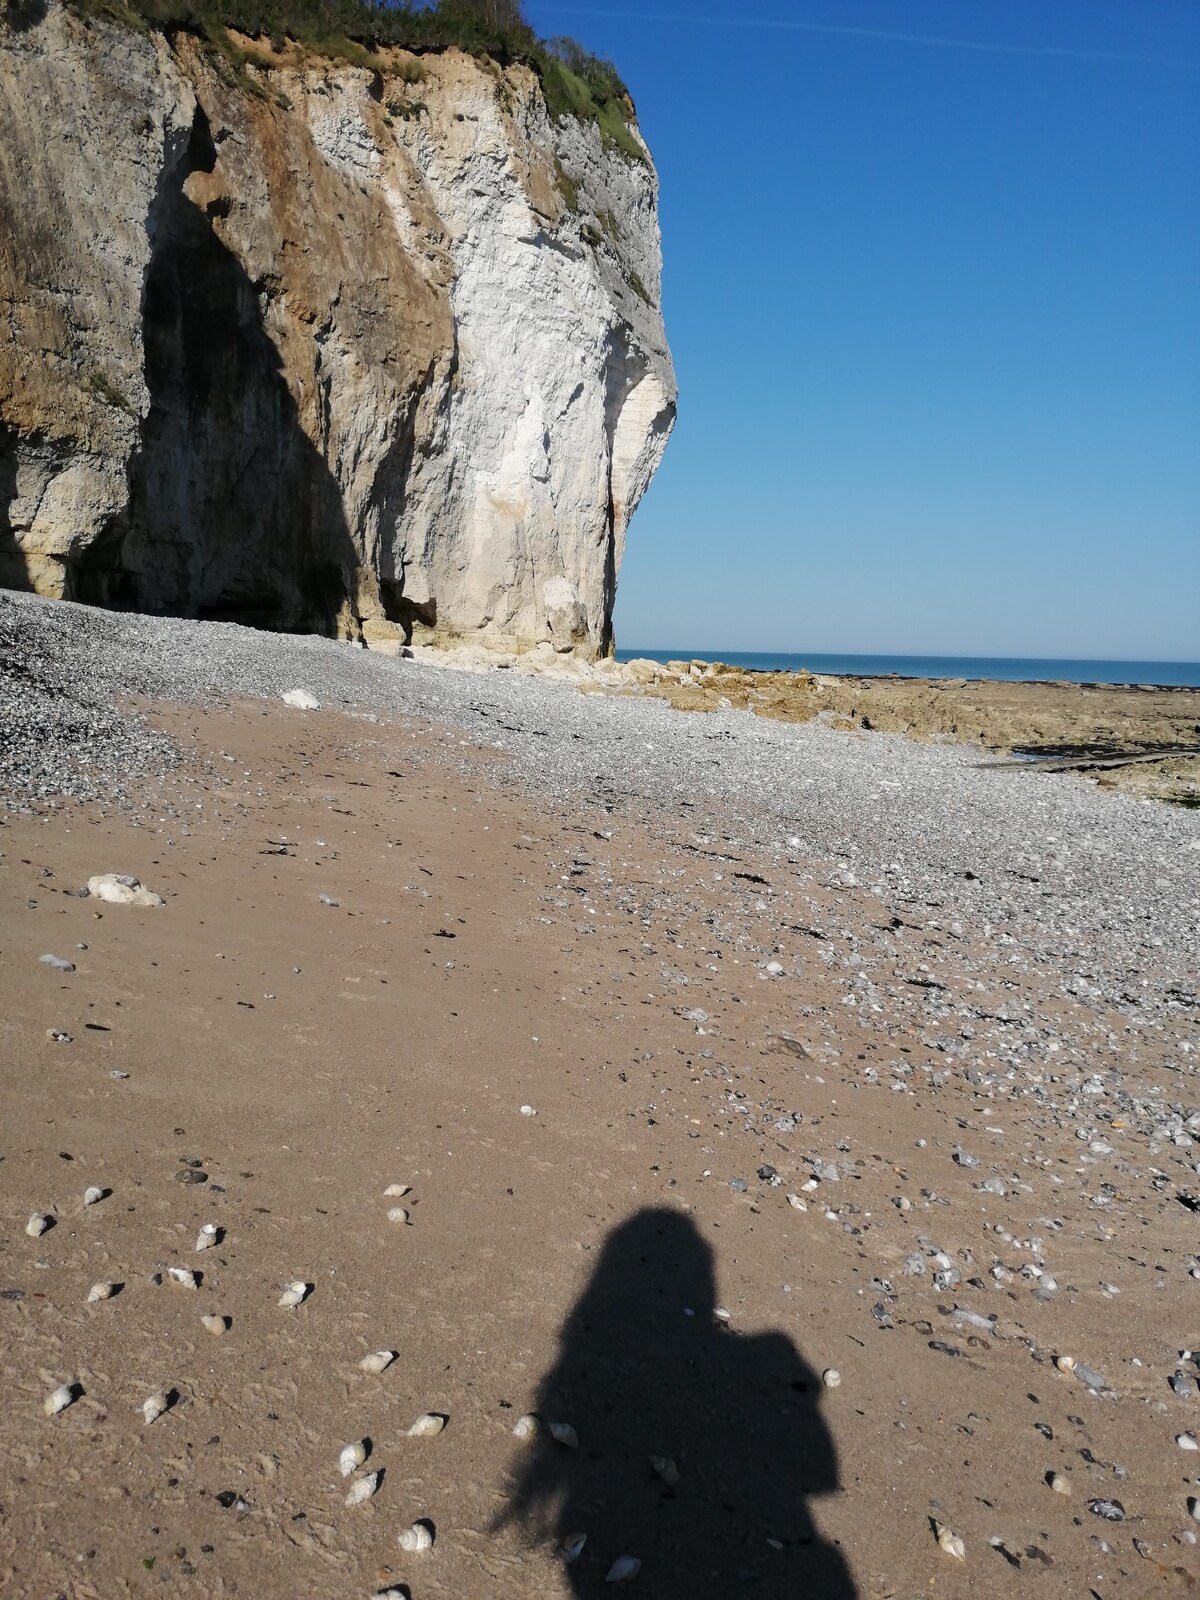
(935,313)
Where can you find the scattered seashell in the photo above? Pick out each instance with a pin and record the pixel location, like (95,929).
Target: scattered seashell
(37,1224)
(378,1361)
(1058,1483)
(527,1427)
(571,1547)
(208,1236)
(831,1378)
(721,1314)
(564,1433)
(1065,1363)
(666,1469)
(397,1214)
(427,1426)
(352,1457)
(363,1489)
(950,1542)
(295,1294)
(1110,1510)
(57,1036)
(418,1537)
(95,1194)
(796,1203)
(396,1191)
(65,1395)
(155,1406)
(624,1570)
(102,1291)
(216,1324)
(184,1277)
(528,1111)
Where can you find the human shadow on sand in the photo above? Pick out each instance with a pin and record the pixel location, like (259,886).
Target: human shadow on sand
(647,1370)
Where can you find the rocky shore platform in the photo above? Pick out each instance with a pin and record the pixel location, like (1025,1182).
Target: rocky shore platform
(799,1121)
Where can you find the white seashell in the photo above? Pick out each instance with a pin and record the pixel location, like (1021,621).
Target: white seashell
(666,1469)
(418,1537)
(831,1378)
(94,1194)
(1186,1441)
(65,1395)
(295,1294)
(1065,1363)
(215,1324)
(796,1203)
(208,1236)
(397,1214)
(950,1542)
(564,1433)
(363,1489)
(571,1547)
(184,1277)
(101,1291)
(352,1457)
(427,1426)
(37,1224)
(378,1361)
(1194,1508)
(527,1427)
(624,1570)
(154,1407)
(396,1191)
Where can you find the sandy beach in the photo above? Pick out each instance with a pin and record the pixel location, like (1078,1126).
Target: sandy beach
(804,1117)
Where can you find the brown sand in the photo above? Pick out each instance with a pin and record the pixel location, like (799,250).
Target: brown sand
(443,993)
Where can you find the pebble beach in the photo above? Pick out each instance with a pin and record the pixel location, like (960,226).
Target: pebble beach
(798,1122)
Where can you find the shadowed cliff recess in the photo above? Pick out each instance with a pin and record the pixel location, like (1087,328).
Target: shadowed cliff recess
(355,340)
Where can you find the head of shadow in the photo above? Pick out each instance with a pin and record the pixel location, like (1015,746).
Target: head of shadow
(699,1448)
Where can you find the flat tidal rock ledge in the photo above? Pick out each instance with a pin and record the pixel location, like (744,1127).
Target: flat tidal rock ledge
(319,347)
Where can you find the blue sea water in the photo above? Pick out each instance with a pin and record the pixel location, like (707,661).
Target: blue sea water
(1004,669)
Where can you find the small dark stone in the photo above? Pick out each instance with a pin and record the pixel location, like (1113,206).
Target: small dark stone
(1110,1510)
(191,1175)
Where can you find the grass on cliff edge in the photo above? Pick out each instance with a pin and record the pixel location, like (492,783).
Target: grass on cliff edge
(574,83)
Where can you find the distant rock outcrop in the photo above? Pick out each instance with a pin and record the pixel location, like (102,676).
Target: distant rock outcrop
(313,346)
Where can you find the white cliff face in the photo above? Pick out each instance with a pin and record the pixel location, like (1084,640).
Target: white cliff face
(387,362)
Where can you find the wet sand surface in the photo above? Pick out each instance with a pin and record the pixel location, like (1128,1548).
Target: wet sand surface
(658,1228)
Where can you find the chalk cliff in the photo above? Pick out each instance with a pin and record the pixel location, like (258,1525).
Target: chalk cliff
(316,346)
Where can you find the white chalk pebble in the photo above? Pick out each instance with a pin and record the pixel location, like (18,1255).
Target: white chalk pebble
(215,1324)
(1186,1441)
(93,1195)
(295,1294)
(101,1291)
(952,1543)
(1058,1483)
(37,1225)
(396,1191)
(1194,1509)
(378,1361)
(831,1378)
(65,1395)
(427,1426)
(184,1277)
(397,1214)
(208,1236)
(363,1489)
(528,1111)
(527,1427)
(155,1406)
(564,1434)
(352,1457)
(624,1570)
(418,1537)
(1065,1363)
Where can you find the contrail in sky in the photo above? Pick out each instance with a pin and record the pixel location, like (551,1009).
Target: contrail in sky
(784,25)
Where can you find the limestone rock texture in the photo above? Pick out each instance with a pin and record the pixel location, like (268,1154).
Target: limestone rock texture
(318,347)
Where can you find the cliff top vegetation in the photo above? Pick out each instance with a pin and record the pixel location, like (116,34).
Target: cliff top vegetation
(575,84)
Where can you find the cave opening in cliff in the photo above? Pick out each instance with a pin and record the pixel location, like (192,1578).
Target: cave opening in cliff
(233,513)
